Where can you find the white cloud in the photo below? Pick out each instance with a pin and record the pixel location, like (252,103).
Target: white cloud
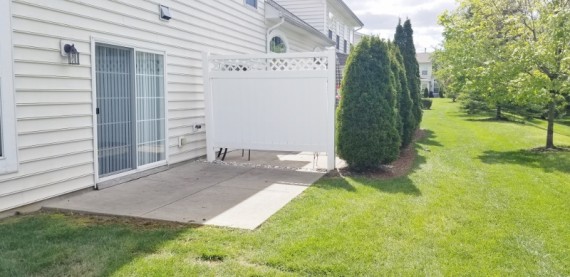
(381,18)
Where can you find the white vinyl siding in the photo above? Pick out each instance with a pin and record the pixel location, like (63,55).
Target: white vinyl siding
(299,43)
(54,100)
(310,11)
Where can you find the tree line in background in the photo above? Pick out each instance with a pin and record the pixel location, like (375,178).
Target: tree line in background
(508,55)
(380,107)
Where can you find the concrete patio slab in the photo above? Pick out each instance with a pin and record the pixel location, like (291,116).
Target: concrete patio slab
(199,193)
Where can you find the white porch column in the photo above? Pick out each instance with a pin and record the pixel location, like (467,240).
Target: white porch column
(331,96)
(210,153)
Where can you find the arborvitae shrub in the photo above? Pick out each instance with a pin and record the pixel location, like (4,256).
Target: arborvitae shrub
(406,116)
(404,38)
(426,93)
(366,132)
(426,103)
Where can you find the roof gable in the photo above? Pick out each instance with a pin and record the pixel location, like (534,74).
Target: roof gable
(343,7)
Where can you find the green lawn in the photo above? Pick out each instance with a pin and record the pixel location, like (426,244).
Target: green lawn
(476,203)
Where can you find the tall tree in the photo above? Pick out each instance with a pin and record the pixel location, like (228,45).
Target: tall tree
(367,135)
(405,104)
(510,52)
(404,38)
(482,63)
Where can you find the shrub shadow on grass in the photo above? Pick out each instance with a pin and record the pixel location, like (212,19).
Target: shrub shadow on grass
(335,183)
(494,119)
(429,139)
(395,181)
(61,245)
(402,185)
(548,161)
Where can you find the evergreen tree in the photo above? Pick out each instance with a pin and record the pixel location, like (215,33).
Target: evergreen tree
(406,117)
(367,135)
(404,38)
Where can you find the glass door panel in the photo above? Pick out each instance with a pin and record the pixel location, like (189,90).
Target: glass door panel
(151,137)
(115,112)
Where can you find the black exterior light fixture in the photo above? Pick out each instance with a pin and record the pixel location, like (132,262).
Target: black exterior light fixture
(164,12)
(72,54)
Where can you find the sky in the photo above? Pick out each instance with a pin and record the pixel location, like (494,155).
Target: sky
(380,17)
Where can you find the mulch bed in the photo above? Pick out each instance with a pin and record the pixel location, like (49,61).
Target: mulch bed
(398,168)
(549,150)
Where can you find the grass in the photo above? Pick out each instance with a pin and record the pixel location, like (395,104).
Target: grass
(476,203)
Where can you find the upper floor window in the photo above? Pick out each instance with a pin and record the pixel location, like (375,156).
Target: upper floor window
(252,3)
(330,34)
(277,45)
(8,148)
(424,72)
(345,46)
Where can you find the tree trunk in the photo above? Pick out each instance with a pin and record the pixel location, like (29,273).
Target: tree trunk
(550,130)
(499,113)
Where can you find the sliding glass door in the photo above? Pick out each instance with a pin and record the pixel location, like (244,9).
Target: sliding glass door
(130,109)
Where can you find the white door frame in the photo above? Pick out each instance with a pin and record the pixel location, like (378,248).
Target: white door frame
(136,48)
(8,132)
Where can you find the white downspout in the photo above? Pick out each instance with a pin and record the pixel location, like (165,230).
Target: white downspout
(269,30)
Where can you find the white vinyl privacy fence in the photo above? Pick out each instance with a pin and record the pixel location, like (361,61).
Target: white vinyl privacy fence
(281,102)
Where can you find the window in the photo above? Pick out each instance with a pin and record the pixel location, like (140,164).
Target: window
(424,72)
(252,3)
(337,42)
(345,46)
(277,45)
(330,34)
(8,148)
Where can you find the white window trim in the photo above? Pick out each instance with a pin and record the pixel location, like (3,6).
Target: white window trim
(9,159)
(276,33)
(136,47)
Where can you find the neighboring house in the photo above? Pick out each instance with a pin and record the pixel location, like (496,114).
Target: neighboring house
(358,37)
(426,72)
(131,99)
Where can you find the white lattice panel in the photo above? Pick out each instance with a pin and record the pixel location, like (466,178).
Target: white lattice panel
(272,64)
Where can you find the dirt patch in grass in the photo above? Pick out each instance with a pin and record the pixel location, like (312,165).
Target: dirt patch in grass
(92,219)
(398,168)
